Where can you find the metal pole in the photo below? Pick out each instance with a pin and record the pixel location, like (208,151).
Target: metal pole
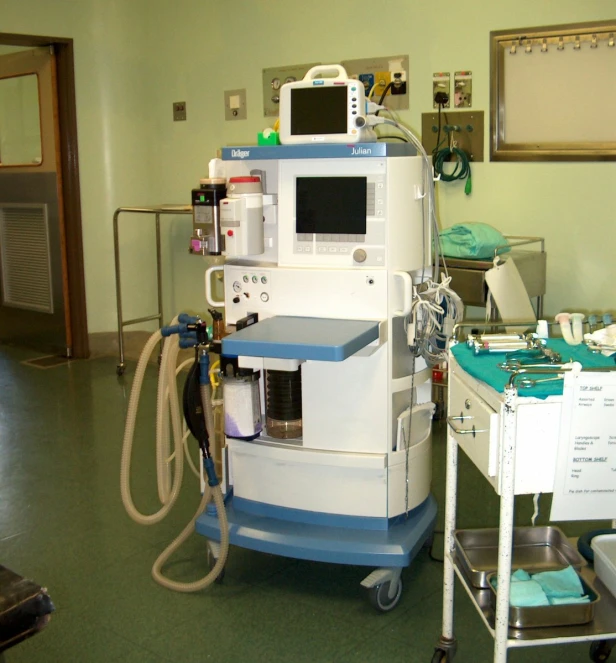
(159,278)
(451,496)
(116,252)
(505,538)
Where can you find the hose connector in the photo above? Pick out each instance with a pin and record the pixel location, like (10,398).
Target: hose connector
(204,368)
(187,341)
(186,319)
(174,329)
(210,470)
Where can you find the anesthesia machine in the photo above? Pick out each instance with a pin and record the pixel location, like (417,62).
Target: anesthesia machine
(332,325)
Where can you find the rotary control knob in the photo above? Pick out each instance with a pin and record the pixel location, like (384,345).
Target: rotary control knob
(359,255)
(360,122)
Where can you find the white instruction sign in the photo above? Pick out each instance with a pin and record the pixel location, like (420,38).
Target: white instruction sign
(585,480)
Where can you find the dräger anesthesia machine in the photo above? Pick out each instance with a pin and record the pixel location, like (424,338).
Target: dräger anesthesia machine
(326,376)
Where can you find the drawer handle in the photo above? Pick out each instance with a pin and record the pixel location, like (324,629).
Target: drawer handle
(461,418)
(464,431)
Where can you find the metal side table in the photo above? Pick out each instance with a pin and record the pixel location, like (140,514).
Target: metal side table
(157,212)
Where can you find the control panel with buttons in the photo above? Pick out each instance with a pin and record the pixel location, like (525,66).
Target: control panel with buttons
(250,286)
(370,247)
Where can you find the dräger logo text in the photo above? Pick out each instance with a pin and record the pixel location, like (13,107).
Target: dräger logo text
(242,154)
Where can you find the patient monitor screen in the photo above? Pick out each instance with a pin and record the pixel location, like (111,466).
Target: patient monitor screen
(331,205)
(317,110)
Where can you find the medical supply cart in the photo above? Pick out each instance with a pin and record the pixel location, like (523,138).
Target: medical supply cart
(511,434)
(157,212)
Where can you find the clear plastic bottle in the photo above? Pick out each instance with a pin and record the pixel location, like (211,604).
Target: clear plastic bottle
(284,404)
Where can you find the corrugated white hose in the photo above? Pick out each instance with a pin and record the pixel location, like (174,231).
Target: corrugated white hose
(129,431)
(168,406)
(214,493)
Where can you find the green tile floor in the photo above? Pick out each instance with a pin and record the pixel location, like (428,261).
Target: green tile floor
(62,524)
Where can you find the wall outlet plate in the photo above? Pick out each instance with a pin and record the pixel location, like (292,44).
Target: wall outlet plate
(463,127)
(179,111)
(463,89)
(441,82)
(381,71)
(235,104)
(274,78)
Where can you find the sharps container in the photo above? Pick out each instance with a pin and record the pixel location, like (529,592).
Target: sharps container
(242,404)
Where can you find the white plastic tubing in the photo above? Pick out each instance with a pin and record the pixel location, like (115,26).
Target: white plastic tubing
(168,409)
(571,327)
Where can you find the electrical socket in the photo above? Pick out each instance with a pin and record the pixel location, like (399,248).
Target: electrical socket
(368,81)
(399,79)
(463,89)
(441,82)
(382,80)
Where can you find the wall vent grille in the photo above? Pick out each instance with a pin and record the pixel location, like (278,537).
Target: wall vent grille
(25,260)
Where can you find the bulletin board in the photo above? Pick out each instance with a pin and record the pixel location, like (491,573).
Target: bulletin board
(553,93)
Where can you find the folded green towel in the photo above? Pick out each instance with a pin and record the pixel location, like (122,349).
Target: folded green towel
(560,584)
(527,593)
(520,576)
(473,240)
(568,600)
(545,588)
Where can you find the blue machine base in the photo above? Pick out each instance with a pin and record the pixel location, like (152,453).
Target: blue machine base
(394,547)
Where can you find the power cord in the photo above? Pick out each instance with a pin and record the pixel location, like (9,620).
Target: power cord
(385,91)
(462,168)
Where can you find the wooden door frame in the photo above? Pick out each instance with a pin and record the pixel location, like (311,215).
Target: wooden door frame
(69,159)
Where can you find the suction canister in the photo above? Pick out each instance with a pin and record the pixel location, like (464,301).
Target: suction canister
(284,404)
(207,238)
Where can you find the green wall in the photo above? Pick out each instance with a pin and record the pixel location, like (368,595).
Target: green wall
(134,58)
(117,138)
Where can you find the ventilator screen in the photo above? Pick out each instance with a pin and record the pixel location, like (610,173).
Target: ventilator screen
(331,205)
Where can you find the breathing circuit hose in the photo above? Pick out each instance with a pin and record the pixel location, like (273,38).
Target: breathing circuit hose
(168,407)
(168,496)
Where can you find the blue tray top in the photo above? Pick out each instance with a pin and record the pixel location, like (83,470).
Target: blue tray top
(284,337)
(484,367)
(322,151)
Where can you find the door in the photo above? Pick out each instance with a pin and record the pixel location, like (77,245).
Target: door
(33,274)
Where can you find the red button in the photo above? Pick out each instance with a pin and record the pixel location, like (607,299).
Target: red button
(230,233)
(244,179)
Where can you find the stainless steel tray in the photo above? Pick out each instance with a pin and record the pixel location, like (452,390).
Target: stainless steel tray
(543,616)
(534,549)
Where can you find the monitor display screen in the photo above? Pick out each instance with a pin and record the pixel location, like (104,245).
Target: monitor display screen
(319,111)
(331,205)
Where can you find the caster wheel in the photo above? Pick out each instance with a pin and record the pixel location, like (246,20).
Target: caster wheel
(120,370)
(211,561)
(379,596)
(600,650)
(439,656)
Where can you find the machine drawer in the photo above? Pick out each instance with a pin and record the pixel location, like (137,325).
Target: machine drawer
(474,425)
